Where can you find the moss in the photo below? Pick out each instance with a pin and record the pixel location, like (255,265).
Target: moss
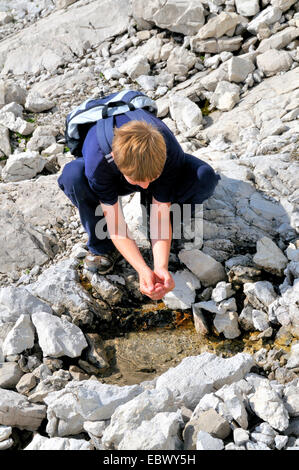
(206,108)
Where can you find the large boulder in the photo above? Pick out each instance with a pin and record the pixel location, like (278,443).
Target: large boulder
(68,32)
(184,17)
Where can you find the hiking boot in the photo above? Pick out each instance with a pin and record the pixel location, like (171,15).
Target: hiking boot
(102,264)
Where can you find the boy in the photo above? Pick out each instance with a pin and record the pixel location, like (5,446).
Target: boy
(145,157)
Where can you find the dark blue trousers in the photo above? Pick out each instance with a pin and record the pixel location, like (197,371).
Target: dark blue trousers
(197,183)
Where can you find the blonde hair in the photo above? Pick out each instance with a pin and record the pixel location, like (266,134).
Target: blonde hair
(139,150)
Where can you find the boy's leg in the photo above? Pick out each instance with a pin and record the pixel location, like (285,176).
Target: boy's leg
(198,183)
(74,184)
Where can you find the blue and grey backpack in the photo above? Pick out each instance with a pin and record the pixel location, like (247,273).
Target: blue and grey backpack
(102,112)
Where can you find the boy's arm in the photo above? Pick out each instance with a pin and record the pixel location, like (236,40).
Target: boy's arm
(124,243)
(161,236)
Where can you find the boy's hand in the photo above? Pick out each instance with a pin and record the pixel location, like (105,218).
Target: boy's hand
(164,281)
(155,284)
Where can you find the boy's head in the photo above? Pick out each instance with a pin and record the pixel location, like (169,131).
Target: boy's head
(139,151)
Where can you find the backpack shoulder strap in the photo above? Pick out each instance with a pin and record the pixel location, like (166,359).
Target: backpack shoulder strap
(104,131)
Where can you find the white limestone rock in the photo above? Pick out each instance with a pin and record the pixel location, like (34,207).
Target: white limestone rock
(284,5)
(34,51)
(16,124)
(130,419)
(17,411)
(219,25)
(292,252)
(160,433)
(185,17)
(59,285)
(233,406)
(180,61)
(247,7)
(260,320)
(260,294)
(207,269)
(57,336)
(267,405)
(239,69)
(268,16)
(205,441)
(278,40)
(293,360)
(183,295)
(135,66)
(222,291)
(196,376)
(87,400)
(5,432)
(226,96)
(21,336)
(227,323)
(37,104)
(17,301)
(269,256)
(58,443)
(21,166)
(5,141)
(184,112)
(241,436)
(273,61)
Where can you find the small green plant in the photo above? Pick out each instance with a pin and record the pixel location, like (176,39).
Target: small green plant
(23,137)
(206,108)
(27,271)
(31,120)
(66,149)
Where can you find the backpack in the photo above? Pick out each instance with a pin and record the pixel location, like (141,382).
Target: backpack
(102,112)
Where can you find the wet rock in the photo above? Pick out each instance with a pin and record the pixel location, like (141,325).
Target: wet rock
(107,290)
(58,337)
(203,266)
(96,353)
(243,274)
(17,411)
(200,322)
(21,336)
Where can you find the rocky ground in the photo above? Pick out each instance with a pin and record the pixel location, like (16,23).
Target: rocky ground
(86,361)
